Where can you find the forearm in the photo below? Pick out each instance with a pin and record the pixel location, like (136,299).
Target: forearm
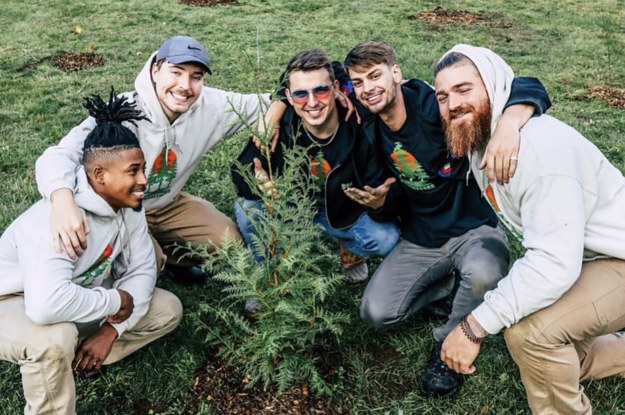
(139,279)
(528,90)
(56,167)
(517,115)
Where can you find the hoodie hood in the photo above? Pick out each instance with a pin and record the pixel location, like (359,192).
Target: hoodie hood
(86,198)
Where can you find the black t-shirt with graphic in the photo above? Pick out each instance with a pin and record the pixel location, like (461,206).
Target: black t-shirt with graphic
(436,200)
(324,156)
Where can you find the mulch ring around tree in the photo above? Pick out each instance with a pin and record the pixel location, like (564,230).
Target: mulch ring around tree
(224,389)
(441,15)
(615,97)
(208,3)
(68,62)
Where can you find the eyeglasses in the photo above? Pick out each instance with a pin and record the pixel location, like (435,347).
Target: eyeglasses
(301,95)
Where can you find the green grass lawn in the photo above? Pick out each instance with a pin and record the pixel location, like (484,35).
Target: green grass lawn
(571,45)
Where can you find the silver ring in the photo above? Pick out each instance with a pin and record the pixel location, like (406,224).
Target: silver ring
(513,158)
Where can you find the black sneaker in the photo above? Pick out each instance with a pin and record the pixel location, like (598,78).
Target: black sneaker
(439,309)
(439,381)
(187,275)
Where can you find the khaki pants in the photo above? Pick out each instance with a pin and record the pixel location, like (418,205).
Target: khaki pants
(573,340)
(45,353)
(187,219)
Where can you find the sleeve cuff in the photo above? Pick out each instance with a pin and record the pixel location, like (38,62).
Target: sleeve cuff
(487,319)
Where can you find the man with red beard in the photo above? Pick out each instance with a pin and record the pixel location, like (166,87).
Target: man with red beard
(445,223)
(563,299)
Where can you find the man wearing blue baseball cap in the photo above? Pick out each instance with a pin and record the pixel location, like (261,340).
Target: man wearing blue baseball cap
(186,119)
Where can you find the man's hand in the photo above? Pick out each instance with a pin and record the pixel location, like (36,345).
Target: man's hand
(502,151)
(68,224)
(458,352)
(270,124)
(262,179)
(373,198)
(347,103)
(94,350)
(125,309)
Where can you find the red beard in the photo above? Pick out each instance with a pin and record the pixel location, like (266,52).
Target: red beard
(464,137)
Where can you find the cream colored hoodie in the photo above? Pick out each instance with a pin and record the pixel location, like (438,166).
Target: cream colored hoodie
(56,289)
(566,201)
(172,151)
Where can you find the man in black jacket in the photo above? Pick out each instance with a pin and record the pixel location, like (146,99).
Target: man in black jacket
(338,153)
(446,224)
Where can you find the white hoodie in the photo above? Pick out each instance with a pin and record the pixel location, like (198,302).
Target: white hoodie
(56,289)
(566,201)
(172,151)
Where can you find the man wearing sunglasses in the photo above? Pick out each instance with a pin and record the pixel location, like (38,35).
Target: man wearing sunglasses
(338,153)
(446,225)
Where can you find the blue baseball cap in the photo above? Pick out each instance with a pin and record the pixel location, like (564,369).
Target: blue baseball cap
(183,49)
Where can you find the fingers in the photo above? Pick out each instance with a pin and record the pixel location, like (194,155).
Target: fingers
(514,161)
(84,360)
(382,189)
(259,172)
(258,143)
(70,241)
(56,238)
(85,226)
(500,169)
(356,195)
(388,182)
(275,135)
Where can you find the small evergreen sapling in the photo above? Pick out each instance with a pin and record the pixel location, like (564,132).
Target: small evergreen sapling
(294,285)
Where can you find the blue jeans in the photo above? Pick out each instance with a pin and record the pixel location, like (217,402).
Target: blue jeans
(365,237)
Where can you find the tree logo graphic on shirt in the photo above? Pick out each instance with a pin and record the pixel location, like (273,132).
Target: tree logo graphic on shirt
(411,173)
(163,173)
(319,169)
(99,267)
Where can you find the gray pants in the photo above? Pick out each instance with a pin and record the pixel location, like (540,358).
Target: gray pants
(412,276)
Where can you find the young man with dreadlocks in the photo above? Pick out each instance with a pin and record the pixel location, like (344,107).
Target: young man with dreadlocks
(61,315)
(186,119)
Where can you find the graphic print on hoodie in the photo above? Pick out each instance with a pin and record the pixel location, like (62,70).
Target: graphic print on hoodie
(102,266)
(163,174)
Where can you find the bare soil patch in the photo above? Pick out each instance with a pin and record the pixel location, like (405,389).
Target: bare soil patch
(224,387)
(68,62)
(208,3)
(443,16)
(615,97)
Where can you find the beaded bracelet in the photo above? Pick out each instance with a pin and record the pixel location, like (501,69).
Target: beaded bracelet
(466,329)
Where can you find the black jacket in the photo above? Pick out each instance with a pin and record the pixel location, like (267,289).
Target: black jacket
(434,196)
(356,165)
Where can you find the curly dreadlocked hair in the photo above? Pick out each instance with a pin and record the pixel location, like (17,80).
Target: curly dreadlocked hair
(109,135)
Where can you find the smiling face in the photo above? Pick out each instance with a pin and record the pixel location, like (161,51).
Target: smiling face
(319,109)
(464,106)
(120,179)
(376,86)
(177,86)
